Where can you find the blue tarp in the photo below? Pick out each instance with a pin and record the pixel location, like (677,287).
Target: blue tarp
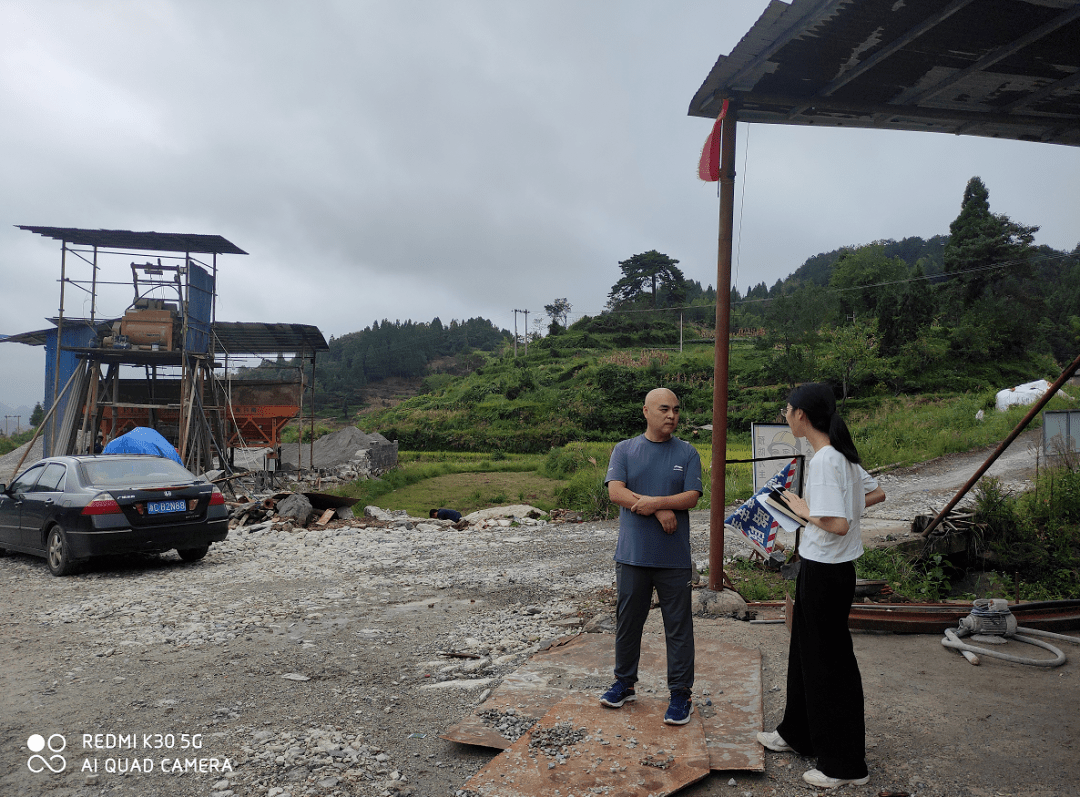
(142,440)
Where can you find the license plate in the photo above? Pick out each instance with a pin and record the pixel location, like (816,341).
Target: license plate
(164,507)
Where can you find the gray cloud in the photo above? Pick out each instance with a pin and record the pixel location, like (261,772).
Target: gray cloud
(411,159)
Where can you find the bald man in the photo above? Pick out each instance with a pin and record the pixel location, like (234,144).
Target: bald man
(655,478)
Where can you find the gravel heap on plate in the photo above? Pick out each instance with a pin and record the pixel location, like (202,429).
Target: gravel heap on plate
(556,740)
(509,723)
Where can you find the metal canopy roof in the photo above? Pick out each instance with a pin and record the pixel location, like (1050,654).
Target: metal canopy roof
(235,338)
(151,241)
(997,68)
(240,338)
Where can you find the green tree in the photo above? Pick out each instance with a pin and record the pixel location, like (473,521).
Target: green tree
(646,274)
(865,277)
(792,322)
(850,355)
(38,415)
(983,247)
(557,311)
(901,317)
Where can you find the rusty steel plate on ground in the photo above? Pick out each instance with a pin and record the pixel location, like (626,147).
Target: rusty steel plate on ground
(580,747)
(727,691)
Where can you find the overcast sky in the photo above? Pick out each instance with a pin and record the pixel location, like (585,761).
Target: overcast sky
(453,158)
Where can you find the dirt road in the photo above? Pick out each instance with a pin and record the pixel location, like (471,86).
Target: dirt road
(312,663)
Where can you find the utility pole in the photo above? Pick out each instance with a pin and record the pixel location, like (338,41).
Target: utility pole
(526,312)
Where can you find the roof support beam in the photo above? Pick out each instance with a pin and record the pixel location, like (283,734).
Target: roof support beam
(992,57)
(897,44)
(946,117)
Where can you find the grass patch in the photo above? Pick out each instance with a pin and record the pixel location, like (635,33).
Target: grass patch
(422,481)
(567,477)
(468,492)
(912,429)
(755,582)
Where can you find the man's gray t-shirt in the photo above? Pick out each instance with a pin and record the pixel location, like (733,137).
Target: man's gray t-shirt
(649,468)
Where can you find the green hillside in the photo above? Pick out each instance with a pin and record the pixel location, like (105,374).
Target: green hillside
(962,314)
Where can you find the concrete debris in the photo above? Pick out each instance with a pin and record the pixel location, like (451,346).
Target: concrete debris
(566,516)
(521,514)
(299,511)
(720,604)
(297,507)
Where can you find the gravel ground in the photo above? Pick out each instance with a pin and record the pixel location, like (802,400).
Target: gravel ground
(311,663)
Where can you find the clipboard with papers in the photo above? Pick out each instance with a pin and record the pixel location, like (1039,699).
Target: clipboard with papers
(774,503)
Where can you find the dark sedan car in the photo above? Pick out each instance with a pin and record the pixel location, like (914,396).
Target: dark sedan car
(70,509)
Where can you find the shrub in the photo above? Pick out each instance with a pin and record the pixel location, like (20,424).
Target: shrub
(1034,536)
(925,580)
(586,493)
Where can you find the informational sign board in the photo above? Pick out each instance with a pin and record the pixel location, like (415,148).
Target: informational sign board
(776,440)
(1061,432)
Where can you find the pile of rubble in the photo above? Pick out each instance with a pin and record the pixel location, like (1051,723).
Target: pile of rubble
(302,510)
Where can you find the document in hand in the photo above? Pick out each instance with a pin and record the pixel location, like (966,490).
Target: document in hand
(775,500)
(781,518)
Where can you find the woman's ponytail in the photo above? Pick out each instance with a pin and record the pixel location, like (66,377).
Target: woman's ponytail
(817,401)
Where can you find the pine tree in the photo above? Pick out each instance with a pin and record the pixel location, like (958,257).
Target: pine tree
(984,246)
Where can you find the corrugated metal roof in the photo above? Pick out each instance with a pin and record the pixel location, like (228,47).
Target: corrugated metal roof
(240,337)
(997,68)
(143,241)
(235,338)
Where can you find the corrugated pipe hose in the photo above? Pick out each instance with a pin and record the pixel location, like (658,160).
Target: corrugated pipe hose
(991,617)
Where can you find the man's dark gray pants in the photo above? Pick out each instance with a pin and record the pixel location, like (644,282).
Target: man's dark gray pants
(674,587)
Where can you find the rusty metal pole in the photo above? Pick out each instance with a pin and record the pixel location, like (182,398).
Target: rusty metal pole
(720,357)
(1035,409)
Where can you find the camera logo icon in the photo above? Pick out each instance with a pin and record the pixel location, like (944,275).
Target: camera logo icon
(55,762)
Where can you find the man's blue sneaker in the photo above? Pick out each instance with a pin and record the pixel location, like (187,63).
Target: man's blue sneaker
(679,709)
(618,694)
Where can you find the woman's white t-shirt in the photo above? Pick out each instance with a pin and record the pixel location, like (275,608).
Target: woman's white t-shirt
(835,487)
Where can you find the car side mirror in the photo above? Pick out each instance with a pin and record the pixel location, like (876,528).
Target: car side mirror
(3,488)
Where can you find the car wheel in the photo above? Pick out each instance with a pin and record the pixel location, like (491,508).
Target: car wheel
(193,554)
(58,553)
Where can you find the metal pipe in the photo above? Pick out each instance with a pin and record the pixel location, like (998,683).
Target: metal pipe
(720,356)
(59,343)
(1035,409)
(300,428)
(311,443)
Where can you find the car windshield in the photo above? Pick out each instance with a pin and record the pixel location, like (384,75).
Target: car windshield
(135,472)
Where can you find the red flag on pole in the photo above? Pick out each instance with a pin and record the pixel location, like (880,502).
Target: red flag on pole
(709,165)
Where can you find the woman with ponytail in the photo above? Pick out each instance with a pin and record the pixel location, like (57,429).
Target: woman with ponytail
(823,716)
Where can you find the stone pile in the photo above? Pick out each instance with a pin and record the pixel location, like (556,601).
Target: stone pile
(346,450)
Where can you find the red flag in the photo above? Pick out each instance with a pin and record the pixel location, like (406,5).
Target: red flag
(709,166)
